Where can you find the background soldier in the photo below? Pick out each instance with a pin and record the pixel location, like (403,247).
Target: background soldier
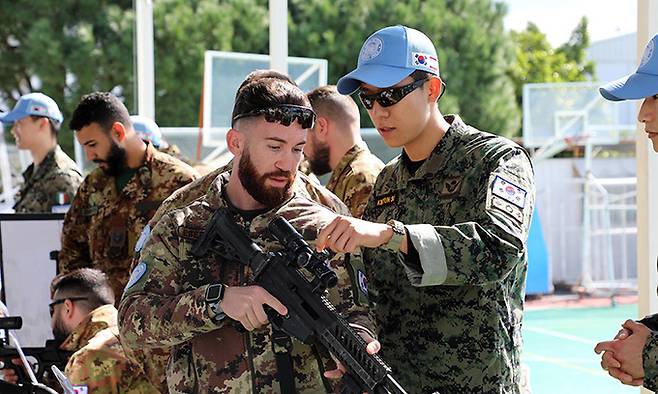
(632,356)
(84,321)
(148,130)
(335,146)
(116,200)
(448,268)
(169,281)
(52,178)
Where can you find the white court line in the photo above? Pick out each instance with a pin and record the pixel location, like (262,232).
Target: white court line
(561,335)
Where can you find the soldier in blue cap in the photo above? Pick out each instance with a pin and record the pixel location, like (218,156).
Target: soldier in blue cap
(632,356)
(444,230)
(148,130)
(53,178)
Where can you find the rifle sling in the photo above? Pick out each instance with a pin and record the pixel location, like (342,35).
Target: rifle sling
(282,346)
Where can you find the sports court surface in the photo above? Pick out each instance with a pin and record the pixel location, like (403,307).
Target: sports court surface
(559,339)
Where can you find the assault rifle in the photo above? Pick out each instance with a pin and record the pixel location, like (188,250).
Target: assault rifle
(46,357)
(311,317)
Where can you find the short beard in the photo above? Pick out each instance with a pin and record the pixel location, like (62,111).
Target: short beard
(319,164)
(254,183)
(60,333)
(116,160)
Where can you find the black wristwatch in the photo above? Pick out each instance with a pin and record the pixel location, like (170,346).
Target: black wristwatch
(214,296)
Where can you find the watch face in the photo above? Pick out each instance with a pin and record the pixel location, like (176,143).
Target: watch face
(214,293)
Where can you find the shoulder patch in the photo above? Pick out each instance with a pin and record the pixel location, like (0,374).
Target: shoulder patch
(142,238)
(509,191)
(363,281)
(385,199)
(137,274)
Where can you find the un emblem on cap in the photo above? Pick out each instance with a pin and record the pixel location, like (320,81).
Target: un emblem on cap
(371,49)
(648,52)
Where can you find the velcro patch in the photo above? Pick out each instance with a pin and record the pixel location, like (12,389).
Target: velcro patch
(451,186)
(509,191)
(142,238)
(80,390)
(507,207)
(363,281)
(425,60)
(137,274)
(385,199)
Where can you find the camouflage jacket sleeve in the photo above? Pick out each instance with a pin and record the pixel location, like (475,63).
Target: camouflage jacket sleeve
(357,190)
(104,374)
(492,244)
(650,362)
(74,252)
(154,312)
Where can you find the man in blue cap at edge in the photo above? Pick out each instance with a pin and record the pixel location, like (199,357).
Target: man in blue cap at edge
(51,181)
(632,356)
(444,231)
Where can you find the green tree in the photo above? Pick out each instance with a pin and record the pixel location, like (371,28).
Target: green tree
(184,30)
(66,50)
(468,34)
(537,61)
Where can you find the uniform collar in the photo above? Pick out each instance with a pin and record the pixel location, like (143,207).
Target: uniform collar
(97,320)
(346,160)
(216,198)
(440,155)
(139,185)
(47,162)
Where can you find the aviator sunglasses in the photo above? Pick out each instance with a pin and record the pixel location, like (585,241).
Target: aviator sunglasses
(284,114)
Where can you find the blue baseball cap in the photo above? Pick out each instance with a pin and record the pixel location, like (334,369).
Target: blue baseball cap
(390,55)
(643,83)
(37,104)
(147,130)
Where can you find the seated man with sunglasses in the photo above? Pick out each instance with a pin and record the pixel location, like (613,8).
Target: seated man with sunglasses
(84,321)
(445,229)
(206,309)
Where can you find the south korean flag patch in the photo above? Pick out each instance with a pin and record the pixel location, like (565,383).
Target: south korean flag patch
(506,196)
(80,390)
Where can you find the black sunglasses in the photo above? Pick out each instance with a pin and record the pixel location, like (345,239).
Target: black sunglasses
(51,306)
(390,96)
(284,114)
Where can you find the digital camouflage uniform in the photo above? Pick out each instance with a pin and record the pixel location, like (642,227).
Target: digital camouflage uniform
(99,362)
(354,176)
(55,182)
(164,302)
(155,360)
(650,353)
(650,362)
(450,319)
(102,226)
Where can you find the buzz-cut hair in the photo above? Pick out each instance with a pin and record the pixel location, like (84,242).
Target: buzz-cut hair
(327,102)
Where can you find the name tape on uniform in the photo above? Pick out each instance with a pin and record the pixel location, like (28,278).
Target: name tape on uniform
(385,199)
